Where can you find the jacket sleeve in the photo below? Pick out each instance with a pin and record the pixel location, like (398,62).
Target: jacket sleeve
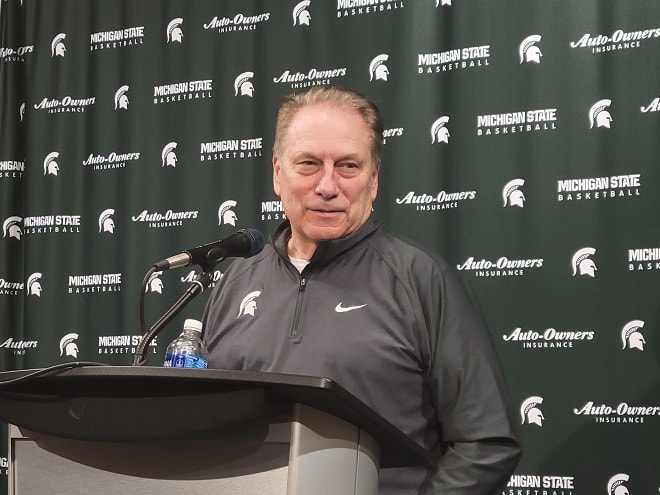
(479,449)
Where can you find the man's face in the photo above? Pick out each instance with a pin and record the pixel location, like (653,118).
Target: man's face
(325,175)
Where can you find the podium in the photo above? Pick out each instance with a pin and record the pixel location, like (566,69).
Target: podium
(150,430)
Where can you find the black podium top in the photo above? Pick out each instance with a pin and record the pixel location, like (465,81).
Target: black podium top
(127,403)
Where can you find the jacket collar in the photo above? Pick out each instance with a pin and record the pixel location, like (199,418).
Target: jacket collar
(326,250)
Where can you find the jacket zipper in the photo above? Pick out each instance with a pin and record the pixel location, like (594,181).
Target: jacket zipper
(299,303)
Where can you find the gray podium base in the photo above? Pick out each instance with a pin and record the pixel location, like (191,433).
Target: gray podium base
(308,453)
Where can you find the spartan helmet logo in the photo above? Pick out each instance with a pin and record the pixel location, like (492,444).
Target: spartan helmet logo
(631,335)
(68,346)
(57,48)
(21,112)
(168,155)
(243,84)
(529,411)
(174,31)
(512,195)
(34,287)
(300,13)
(121,100)
(439,130)
(226,215)
(615,486)
(599,115)
(12,228)
(50,165)
(378,69)
(528,50)
(106,223)
(155,284)
(248,304)
(582,264)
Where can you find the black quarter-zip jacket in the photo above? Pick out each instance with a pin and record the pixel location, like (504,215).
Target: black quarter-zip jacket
(394,325)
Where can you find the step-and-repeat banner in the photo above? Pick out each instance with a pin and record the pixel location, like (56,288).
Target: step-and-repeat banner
(521,143)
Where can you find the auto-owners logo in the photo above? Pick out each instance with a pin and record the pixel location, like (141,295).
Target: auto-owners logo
(18,347)
(550,338)
(10,54)
(164,219)
(66,104)
(316,76)
(500,267)
(618,413)
(436,201)
(238,22)
(618,40)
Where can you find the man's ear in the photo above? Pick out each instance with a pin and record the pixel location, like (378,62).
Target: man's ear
(276,175)
(374,184)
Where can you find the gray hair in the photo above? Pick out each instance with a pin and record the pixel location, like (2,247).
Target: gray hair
(341,97)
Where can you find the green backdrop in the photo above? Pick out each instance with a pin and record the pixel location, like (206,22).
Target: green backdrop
(521,143)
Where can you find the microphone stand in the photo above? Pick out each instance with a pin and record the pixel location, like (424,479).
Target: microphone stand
(197,286)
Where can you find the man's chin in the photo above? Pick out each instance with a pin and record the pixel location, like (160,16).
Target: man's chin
(327,233)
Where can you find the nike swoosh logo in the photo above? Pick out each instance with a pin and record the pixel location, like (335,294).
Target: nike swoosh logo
(341,309)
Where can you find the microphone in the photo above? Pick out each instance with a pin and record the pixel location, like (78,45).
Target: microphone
(242,244)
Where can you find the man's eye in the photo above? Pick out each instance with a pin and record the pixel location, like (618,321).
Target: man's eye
(306,166)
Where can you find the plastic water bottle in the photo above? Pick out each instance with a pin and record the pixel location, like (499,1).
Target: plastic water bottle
(187,350)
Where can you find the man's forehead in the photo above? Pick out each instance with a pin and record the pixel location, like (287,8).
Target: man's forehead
(302,152)
(337,121)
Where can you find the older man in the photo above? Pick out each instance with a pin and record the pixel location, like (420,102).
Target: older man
(335,295)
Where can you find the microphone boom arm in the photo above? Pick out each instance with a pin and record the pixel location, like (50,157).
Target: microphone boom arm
(197,286)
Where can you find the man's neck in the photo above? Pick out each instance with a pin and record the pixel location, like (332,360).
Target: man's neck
(301,250)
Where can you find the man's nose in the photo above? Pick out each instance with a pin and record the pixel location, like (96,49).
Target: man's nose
(327,185)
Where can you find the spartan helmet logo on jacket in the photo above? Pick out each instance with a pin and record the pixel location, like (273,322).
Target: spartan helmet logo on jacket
(249,304)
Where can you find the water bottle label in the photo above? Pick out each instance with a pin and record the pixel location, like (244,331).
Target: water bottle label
(185,361)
